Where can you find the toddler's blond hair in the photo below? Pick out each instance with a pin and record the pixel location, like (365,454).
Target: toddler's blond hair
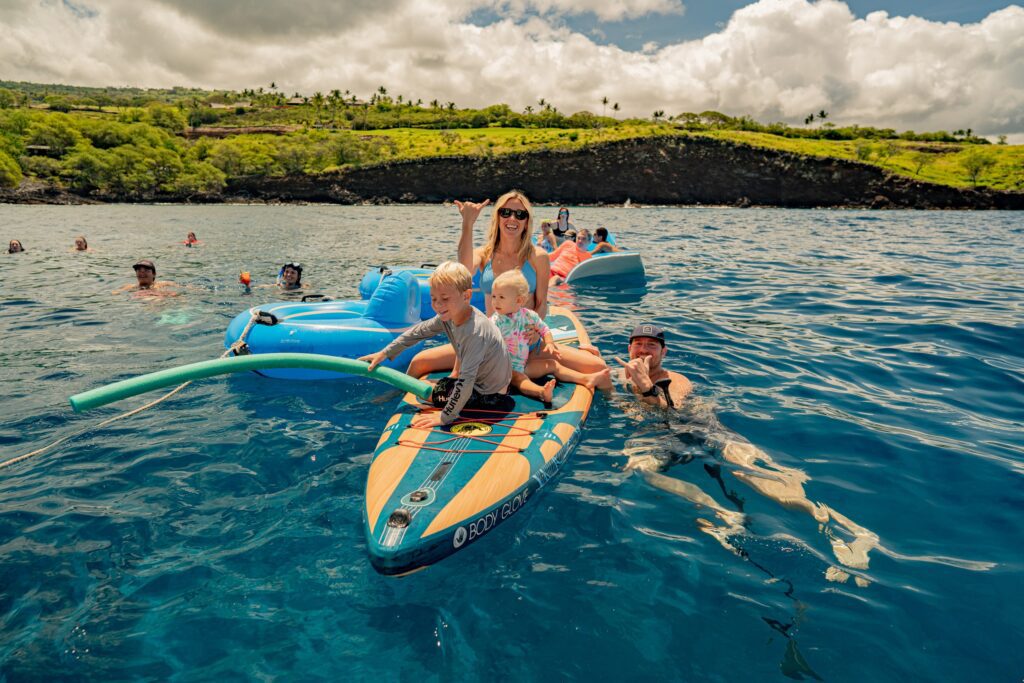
(451,274)
(513,278)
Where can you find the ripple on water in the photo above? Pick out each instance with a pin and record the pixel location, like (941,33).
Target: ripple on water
(871,360)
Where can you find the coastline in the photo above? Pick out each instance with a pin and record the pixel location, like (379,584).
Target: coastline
(663,171)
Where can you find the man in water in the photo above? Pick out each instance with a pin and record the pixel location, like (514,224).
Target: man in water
(145,275)
(645,377)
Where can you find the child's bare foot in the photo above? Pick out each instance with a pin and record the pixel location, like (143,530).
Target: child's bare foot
(548,391)
(597,380)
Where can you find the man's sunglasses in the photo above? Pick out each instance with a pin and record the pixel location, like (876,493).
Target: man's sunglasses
(520,214)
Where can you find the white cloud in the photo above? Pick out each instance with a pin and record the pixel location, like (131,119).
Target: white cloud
(774,59)
(605,10)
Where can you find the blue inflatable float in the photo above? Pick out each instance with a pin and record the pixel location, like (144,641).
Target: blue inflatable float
(369,283)
(347,329)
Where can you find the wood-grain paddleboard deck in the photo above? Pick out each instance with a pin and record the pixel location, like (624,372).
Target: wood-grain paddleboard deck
(431,493)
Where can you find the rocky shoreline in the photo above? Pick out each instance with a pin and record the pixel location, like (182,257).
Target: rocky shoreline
(662,171)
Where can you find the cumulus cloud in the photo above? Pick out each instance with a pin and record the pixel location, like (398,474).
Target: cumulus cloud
(774,59)
(605,10)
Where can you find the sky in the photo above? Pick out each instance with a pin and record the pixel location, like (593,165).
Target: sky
(894,63)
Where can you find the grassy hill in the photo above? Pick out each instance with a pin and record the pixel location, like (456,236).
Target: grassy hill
(128,140)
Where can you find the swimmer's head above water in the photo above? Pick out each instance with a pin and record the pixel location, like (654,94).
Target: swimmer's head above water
(145,273)
(290,276)
(648,339)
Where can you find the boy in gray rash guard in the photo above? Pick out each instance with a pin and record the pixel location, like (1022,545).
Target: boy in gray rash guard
(482,370)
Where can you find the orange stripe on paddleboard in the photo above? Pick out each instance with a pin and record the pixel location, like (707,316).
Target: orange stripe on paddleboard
(387,471)
(498,478)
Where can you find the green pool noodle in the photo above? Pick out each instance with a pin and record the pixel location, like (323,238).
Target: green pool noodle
(223,366)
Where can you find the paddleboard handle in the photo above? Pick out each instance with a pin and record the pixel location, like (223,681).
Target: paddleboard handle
(223,366)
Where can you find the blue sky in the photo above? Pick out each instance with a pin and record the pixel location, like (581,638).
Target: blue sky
(703,17)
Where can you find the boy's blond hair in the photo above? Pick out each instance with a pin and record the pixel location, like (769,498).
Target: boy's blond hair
(451,274)
(513,278)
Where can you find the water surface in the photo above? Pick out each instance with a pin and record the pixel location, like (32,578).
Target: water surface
(219,534)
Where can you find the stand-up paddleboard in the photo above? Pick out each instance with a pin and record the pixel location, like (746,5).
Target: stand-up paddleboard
(430,493)
(615,264)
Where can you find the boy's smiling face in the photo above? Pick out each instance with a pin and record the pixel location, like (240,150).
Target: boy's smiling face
(448,302)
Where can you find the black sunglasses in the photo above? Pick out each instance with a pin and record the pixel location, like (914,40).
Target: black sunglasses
(520,214)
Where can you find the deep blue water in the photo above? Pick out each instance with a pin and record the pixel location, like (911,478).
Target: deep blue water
(219,534)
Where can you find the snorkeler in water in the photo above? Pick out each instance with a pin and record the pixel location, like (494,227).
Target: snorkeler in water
(290,276)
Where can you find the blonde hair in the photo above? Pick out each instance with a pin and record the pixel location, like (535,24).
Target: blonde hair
(451,274)
(525,249)
(513,278)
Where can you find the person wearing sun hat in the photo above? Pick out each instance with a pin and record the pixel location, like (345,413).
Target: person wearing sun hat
(644,375)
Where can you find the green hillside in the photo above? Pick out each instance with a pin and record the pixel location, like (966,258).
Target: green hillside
(128,141)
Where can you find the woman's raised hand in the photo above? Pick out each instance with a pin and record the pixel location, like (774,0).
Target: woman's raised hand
(471,210)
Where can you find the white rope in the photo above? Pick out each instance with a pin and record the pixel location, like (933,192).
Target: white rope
(232,349)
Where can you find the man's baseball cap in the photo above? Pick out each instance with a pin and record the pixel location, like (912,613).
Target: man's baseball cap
(648,330)
(145,263)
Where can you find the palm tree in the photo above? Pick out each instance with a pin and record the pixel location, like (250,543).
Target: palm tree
(615,108)
(541,102)
(383,93)
(809,120)
(658,115)
(273,85)
(334,102)
(318,104)
(604,105)
(528,110)
(822,115)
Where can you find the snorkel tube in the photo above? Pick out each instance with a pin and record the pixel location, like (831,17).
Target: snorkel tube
(232,364)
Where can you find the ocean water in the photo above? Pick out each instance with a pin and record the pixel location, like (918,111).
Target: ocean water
(840,500)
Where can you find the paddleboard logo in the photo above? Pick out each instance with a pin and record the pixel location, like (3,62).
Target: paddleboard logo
(481,526)
(471,428)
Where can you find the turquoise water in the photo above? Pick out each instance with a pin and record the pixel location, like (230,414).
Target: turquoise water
(219,535)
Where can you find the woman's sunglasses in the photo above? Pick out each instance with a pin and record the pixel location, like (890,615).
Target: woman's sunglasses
(520,214)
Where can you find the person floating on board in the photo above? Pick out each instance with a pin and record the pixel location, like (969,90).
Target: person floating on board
(145,275)
(508,246)
(568,256)
(483,369)
(601,243)
(516,322)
